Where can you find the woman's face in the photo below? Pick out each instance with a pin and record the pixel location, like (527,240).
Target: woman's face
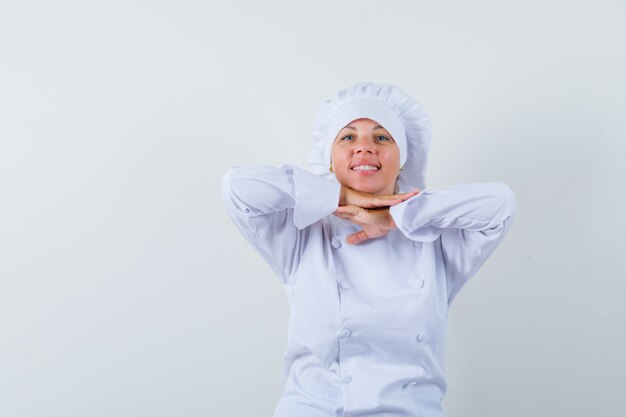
(366,158)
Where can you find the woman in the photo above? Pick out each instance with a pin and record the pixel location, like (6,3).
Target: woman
(370,259)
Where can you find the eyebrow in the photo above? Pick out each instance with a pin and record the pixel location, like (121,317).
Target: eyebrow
(354,128)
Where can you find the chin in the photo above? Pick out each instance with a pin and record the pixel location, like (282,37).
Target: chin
(368,188)
(373,186)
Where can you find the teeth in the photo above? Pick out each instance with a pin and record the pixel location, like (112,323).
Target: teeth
(365,168)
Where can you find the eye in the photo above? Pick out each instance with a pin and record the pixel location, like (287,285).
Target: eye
(347,137)
(382,138)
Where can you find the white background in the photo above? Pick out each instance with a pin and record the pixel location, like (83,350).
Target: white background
(126,291)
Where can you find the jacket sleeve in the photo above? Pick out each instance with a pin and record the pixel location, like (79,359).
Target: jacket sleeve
(274,209)
(471,219)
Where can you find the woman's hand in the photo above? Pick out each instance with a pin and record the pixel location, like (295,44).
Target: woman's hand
(350,197)
(369,211)
(375,222)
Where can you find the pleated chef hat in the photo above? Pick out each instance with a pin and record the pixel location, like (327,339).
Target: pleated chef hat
(403,117)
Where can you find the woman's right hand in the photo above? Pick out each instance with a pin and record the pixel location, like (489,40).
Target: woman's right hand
(350,197)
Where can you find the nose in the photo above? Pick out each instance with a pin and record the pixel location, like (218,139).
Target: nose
(364,147)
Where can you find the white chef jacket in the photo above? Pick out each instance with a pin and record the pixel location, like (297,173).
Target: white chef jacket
(367,325)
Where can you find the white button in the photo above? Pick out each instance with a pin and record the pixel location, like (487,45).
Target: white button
(420,283)
(346,379)
(342,285)
(335,243)
(418,244)
(345,333)
(421,337)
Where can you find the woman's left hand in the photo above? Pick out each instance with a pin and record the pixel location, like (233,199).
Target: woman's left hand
(375,222)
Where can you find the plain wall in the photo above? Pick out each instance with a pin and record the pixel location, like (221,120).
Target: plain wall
(126,291)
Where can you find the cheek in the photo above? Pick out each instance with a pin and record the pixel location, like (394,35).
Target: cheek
(394,158)
(338,159)
(333,155)
(340,166)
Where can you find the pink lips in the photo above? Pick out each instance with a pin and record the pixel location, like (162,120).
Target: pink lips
(365,169)
(364,162)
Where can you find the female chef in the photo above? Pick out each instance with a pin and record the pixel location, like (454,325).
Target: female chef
(369,257)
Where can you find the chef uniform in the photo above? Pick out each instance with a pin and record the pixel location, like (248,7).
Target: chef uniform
(367,325)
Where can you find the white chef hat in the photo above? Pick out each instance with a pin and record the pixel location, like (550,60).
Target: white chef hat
(402,116)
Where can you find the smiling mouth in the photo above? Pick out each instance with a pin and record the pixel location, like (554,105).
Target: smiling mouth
(365,168)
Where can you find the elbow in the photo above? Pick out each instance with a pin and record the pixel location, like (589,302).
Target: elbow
(231,183)
(227,184)
(507,199)
(226,180)
(233,180)
(240,190)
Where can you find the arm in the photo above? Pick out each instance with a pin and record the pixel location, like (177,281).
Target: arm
(471,219)
(273,207)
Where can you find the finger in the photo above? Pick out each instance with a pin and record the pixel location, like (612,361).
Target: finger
(409,194)
(356,238)
(394,198)
(391,200)
(382,201)
(351,210)
(351,213)
(345,216)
